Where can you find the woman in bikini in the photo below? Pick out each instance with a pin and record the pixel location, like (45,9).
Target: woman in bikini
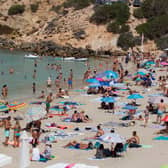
(16,136)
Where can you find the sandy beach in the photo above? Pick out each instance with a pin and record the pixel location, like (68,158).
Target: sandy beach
(154,155)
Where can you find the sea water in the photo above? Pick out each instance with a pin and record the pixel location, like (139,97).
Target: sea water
(20,82)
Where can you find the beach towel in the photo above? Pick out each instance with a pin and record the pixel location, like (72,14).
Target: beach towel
(72,165)
(94,158)
(72,147)
(162,138)
(61,115)
(146,146)
(52,125)
(37,102)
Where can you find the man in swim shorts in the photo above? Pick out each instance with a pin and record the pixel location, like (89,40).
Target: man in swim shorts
(161,110)
(48,101)
(7,126)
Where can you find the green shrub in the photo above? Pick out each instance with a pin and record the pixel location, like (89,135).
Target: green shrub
(113,27)
(16,9)
(77,4)
(152,8)
(124,28)
(106,13)
(138,13)
(4,29)
(56,9)
(154,28)
(34,7)
(162,43)
(126,41)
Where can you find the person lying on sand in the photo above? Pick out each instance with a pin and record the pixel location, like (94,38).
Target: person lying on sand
(78,145)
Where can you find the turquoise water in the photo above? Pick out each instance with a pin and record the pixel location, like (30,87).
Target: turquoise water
(20,83)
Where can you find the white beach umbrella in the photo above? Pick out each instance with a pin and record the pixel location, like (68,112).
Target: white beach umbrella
(35,112)
(5,160)
(156,100)
(24,151)
(112,137)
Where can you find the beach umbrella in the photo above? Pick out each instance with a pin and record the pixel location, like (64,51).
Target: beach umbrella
(35,112)
(140,73)
(111,74)
(149,63)
(112,137)
(165,119)
(130,107)
(135,96)
(94,85)
(157,99)
(164,63)
(5,160)
(24,151)
(108,99)
(92,80)
(118,85)
(3,107)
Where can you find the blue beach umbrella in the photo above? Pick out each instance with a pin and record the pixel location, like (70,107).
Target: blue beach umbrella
(135,96)
(140,73)
(92,80)
(111,74)
(130,107)
(94,85)
(150,63)
(108,99)
(120,85)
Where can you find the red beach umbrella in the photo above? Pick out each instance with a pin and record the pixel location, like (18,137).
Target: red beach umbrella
(165,119)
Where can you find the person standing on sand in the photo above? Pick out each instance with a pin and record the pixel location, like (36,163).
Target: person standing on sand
(48,101)
(161,110)
(7,126)
(16,136)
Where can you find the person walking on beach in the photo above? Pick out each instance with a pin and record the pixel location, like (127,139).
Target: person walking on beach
(34,74)
(49,82)
(69,83)
(161,110)
(34,88)
(146,117)
(7,126)
(4,91)
(48,101)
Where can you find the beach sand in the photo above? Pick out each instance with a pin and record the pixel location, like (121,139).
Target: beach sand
(153,157)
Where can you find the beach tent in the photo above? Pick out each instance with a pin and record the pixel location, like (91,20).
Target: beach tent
(5,160)
(112,137)
(24,151)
